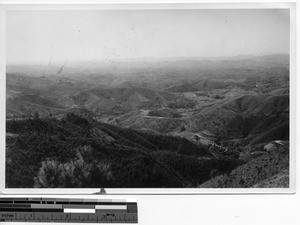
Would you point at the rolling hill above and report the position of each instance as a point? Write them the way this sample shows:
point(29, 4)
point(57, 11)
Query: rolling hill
point(73, 152)
point(136, 123)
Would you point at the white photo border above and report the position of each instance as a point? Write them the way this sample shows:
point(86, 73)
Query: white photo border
point(153, 6)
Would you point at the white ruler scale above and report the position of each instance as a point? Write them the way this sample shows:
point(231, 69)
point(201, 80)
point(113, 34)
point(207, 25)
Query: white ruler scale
point(68, 210)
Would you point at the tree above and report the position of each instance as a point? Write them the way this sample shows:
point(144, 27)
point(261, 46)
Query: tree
point(182, 128)
point(36, 115)
point(49, 175)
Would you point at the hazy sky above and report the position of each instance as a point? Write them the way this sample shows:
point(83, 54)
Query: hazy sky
point(33, 36)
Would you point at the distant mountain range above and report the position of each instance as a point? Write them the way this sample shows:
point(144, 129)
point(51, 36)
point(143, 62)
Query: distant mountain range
point(242, 102)
point(125, 66)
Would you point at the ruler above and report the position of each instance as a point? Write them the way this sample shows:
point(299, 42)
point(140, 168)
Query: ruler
point(68, 210)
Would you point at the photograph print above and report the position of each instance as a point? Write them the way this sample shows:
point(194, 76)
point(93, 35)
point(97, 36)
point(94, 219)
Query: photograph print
point(169, 98)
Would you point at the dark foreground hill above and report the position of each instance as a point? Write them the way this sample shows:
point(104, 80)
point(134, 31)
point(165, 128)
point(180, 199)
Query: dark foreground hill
point(76, 153)
point(271, 170)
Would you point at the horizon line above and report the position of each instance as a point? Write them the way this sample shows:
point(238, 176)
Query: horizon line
point(147, 59)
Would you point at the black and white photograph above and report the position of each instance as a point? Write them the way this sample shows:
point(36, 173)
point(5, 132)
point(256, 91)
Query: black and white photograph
point(148, 98)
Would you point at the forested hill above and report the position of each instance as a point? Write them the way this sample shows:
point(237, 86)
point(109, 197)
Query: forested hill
point(77, 153)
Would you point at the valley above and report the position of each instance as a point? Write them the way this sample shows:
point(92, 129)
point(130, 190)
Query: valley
point(159, 123)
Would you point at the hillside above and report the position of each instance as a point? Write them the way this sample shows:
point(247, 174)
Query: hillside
point(156, 123)
point(126, 98)
point(73, 152)
point(242, 117)
point(27, 94)
point(201, 85)
point(267, 171)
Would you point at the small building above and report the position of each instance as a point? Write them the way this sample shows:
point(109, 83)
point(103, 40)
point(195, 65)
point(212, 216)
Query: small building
point(200, 139)
point(280, 142)
point(270, 147)
point(207, 134)
point(201, 93)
